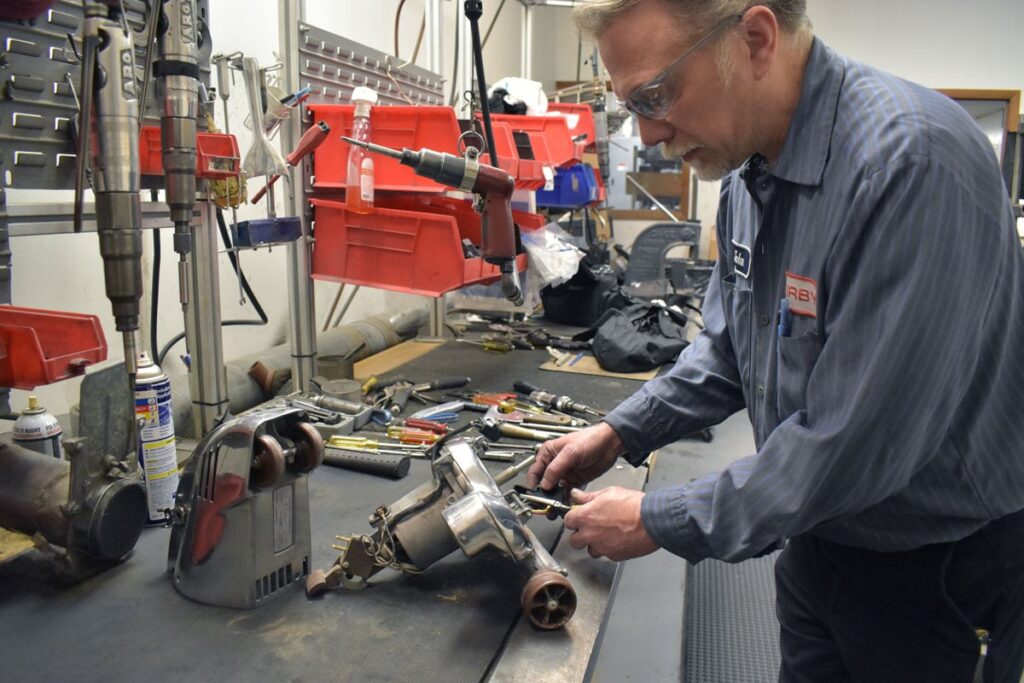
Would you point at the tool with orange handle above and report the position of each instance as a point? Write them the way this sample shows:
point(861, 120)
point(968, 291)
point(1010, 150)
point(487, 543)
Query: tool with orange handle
point(310, 141)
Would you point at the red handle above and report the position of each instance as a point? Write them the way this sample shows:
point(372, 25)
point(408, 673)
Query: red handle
point(311, 139)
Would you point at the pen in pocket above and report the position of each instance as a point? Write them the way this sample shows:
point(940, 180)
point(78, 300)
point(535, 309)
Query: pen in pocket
point(785, 318)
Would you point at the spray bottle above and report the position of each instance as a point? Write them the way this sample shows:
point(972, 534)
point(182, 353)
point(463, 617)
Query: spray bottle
point(359, 180)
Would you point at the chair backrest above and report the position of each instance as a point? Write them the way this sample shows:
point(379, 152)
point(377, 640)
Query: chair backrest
point(647, 258)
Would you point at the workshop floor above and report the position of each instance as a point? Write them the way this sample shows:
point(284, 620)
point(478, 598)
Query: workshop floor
point(644, 636)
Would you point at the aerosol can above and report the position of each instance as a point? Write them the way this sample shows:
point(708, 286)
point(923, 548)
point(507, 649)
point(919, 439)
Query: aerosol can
point(38, 430)
point(157, 451)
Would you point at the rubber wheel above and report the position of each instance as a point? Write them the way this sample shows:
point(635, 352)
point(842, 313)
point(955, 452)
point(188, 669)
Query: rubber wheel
point(548, 599)
point(309, 447)
point(267, 461)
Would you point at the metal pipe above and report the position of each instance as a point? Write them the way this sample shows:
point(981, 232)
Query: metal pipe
point(355, 341)
point(32, 491)
point(511, 473)
point(435, 35)
point(301, 311)
point(203, 326)
point(526, 47)
point(675, 219)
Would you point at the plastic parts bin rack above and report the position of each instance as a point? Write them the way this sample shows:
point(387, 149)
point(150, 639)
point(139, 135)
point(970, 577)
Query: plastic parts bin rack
point(39, 346)
point(414, 251)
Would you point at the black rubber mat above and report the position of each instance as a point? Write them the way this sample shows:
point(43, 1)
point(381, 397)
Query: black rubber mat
point(732, 635)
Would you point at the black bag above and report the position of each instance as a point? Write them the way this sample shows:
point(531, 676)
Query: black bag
point(582, 299)
point(637, 338)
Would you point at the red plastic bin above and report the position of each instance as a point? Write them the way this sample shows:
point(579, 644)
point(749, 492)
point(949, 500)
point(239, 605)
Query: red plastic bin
point(582, 115)
point(38, 346)
point(217, 154)
point(417, 252)
point(554, 130)
point(396, 127)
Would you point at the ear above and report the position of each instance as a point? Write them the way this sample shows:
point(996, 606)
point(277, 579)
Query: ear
point(761, 33)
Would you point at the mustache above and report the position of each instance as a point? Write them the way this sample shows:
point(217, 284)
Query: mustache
point(676, 150)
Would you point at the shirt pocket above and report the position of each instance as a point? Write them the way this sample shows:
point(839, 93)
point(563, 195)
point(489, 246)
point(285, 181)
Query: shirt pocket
point(736, 305)
point(797, 356)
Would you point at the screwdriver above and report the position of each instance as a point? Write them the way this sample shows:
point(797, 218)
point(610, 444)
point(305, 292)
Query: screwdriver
point(492, 345)
point(560, 403)
point(411, 436)
point(362, 443)
point(426, 425)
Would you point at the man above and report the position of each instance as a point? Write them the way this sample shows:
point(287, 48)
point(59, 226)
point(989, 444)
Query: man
point(868, 310)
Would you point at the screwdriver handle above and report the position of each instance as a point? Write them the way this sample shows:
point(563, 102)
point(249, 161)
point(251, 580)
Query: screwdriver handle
point(309, 141)
point(444, 383)
point(524, 387)
point(392, 466)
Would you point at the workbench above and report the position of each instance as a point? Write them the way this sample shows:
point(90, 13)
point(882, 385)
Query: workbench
point(459, 621)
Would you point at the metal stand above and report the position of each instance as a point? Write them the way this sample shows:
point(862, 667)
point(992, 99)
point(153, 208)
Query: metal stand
point(200, 300)
point(301, 310)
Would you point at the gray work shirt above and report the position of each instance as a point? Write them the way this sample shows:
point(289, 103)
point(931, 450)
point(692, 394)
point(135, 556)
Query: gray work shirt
point(888, 415)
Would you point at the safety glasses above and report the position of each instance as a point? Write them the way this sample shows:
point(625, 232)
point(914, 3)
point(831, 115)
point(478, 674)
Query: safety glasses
point(654, 99)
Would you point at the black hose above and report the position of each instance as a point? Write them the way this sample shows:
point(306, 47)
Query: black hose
point(226, 239)
point(154, 301)
point(474, 9)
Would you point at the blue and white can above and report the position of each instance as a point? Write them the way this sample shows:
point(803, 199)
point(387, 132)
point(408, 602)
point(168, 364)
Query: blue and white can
point(158, 456)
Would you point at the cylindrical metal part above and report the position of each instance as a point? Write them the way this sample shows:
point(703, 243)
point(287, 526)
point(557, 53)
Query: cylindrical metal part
point(38, 430)
point(203, 328)
point(119, 221)
point(425, 535)
point(177, 72)
point(392, 466)
point(157, 452)
point(116, 176)
point(356, 341)
point(32, 490)
point(34, 500)
point(511, 473)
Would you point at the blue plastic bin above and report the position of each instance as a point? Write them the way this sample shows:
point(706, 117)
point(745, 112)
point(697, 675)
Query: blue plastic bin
point(575, 187)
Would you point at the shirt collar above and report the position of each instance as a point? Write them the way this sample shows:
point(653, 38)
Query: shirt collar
point(807, 145)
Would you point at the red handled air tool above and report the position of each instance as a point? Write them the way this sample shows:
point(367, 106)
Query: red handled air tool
point(492, 185)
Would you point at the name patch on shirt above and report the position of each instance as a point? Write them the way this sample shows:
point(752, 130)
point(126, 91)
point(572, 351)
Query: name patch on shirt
point(802, 293)
point(741, 259)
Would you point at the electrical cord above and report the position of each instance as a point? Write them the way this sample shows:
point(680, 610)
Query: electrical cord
point(263, 320)
point(154, 300)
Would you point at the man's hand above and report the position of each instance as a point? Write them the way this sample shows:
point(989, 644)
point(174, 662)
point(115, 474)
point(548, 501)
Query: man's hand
point(575, 458)
point(607, 523)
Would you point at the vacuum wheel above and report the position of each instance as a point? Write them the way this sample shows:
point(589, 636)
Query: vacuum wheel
point(548, 599)
point(309, 447)
point(267, 460)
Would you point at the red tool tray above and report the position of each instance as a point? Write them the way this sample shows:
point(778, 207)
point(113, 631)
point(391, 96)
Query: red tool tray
point(217, 155)
point(39, 346)
point(396, 127)
point(583, 116)
point(555, 132)
point(528, 173)
point(415, 251)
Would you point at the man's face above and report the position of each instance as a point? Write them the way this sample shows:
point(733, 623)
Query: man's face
point(710, 123)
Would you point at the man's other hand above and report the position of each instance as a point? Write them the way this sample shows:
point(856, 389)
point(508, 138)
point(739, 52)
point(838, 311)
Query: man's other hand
point(575, 458)
point(607, 523)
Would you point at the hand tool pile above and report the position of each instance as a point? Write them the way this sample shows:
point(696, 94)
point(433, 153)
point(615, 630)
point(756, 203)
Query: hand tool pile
point(390, 438)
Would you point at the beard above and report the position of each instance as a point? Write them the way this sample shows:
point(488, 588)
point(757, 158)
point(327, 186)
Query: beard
point(710, 165)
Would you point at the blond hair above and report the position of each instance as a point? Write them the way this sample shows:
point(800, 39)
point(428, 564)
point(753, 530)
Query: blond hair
point(594, 16)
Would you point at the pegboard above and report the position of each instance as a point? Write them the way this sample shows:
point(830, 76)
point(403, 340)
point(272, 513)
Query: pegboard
point(38, 105)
